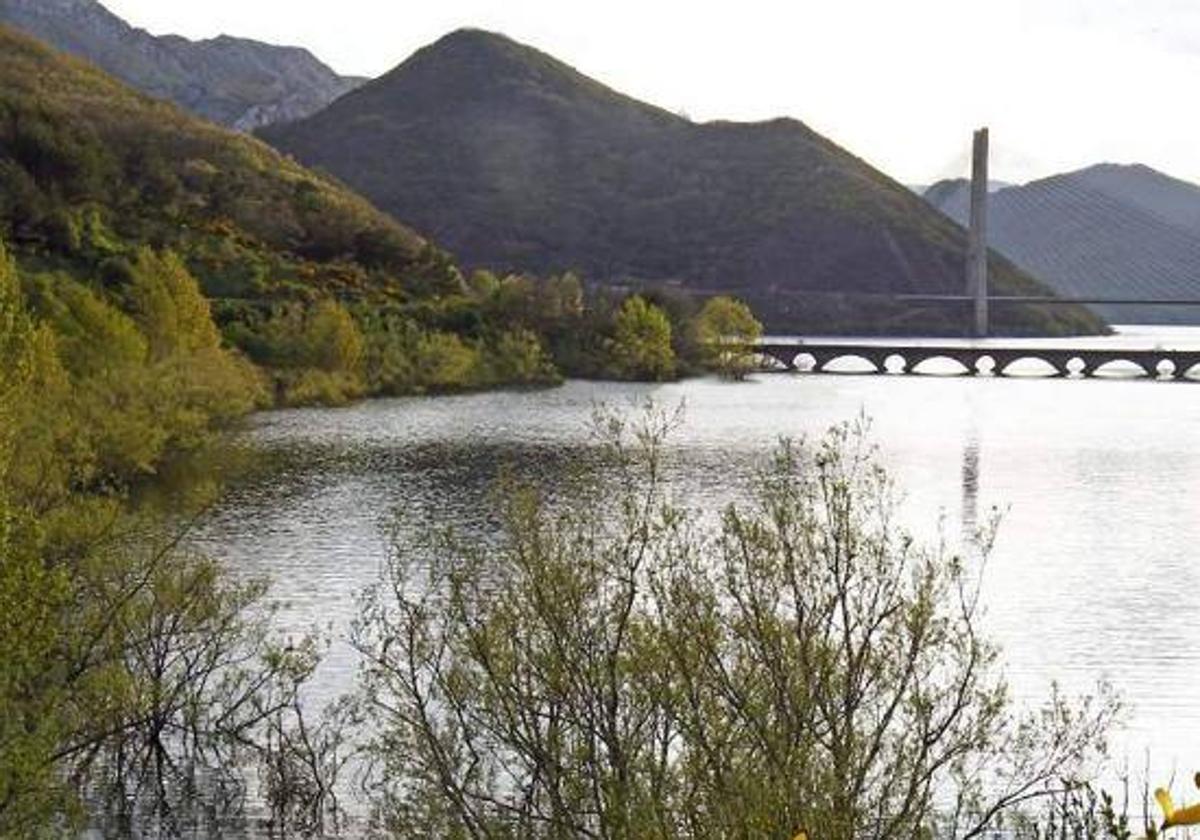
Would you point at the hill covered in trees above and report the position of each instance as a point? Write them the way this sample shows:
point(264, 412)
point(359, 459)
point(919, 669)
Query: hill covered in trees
point(328, 296)
point(1107, 231)
point(234, 81)
point(515, 161)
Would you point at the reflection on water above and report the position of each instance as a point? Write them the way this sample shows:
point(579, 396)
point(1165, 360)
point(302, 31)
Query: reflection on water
point(970, 483)
point(1094, 573)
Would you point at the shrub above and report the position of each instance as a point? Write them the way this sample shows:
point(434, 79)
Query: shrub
point(727, 327)
point(518, 358)
point(641, 347)
point(610, 668)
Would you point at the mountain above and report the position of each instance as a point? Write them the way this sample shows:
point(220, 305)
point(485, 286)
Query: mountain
point(515, 161)
point(237, 82)
point(1170, 199)
point(1107, 231)
point(91, 169)
point(129, 218)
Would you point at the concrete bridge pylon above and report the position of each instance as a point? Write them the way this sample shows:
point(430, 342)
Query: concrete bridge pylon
point(977, 244)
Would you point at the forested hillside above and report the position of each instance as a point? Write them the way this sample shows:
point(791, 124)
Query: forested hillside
point(101, 186)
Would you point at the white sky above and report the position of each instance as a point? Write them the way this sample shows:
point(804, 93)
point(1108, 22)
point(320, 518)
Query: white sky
point(1061, 83)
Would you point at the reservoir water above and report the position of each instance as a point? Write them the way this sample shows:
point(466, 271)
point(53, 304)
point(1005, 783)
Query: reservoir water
point(1095, 573)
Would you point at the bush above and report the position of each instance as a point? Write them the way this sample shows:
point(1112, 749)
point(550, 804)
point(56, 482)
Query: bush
point(518, 358)
point(128, 669)
point(614, 669)
point(727, 327)
point(309, 386)
point(641, 347)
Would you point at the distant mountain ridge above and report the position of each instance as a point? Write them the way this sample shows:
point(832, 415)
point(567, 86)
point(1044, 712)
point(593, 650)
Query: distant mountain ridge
point(237, 82)
point(1107, 231)
point(516, 161)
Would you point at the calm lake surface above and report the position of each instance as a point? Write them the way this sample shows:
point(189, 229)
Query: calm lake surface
point(1096, 572)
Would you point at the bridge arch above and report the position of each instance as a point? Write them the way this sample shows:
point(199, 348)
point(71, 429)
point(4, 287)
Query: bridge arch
point(876, 361)
point(1048, 366)
point(916, 360)
point(1104, 368)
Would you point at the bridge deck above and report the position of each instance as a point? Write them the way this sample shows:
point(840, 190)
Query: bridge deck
point(904, 356)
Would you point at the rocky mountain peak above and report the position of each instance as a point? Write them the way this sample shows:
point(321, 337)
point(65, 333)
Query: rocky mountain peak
point(238, 82)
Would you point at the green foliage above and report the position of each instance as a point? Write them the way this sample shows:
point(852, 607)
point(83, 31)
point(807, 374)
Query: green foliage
point(127, 668)
point(315, 354)
point(96, 338)
point(641, 345)
point(444, 362)
point(332, 339)
point(313, 386)
point(1080, 811)
point(518, 357)
point(169, 309)
point(137, 227)
point(16, 329)
point(405, 358)
point(110, 396)
point(727, 327)
point(620, 669)
point(35, 714)
point(31, 596)
point(91, 170)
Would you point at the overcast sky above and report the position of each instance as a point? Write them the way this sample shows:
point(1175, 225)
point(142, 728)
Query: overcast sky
point(1061, 83)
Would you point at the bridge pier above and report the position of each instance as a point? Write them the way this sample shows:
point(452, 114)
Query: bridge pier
point(1187, 361)
point(977, 248)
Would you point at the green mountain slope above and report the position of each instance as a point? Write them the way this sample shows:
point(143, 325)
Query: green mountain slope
point(105, 194)
point(97, 179)
point(514, 160)
point(234, 81)
point(89, 167)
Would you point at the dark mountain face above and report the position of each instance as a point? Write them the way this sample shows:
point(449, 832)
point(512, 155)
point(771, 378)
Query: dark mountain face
point(515, 161)
point(1170, 199)
point(236, 82)
point(1107, 231)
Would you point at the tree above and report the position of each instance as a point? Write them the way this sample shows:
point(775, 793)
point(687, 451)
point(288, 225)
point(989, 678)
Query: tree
point(169, 307)
point(334, 341)
point(15, 331)
point(518, 358)
point(728, 328)
point(32, 714)
point(612, 669)
point(444, 362)
point(126, 665)
point(641, 347)
point(404, 358)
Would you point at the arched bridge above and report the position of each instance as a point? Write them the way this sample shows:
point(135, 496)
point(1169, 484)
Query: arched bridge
point(997, 359)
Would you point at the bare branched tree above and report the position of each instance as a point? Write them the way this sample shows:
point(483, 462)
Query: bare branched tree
point(618, 669)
